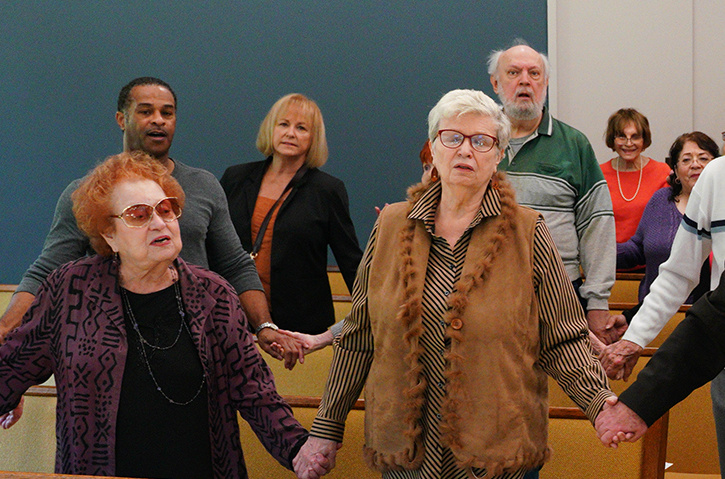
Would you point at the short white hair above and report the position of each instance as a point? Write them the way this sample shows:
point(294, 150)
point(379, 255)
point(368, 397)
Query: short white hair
point(495, 57)
point(460, 102)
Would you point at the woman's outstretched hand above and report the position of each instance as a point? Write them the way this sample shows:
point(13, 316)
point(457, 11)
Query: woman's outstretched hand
point(312, 342)
point(8, 419)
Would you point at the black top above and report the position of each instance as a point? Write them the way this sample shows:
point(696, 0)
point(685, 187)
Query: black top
point(155, 438)
point(314, 215)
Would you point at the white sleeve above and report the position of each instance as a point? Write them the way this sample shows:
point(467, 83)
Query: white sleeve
point(679, 275)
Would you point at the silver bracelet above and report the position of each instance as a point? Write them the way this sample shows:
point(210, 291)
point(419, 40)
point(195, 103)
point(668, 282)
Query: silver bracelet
point(262, 326)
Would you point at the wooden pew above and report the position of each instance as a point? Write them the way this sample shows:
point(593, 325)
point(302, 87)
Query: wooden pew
point(692, 443)
point(30, 445)
point(626, 288)
point(577, 451)
point(306, 379)
point(6, 292)
point(683, 475)
point(579, 454)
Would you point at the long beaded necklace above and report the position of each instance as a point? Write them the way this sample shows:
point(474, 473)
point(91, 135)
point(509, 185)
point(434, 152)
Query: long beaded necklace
point(639, 183)
point(144, 342)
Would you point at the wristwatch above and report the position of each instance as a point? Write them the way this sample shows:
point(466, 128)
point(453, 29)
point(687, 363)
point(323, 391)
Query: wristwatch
point(262, 326)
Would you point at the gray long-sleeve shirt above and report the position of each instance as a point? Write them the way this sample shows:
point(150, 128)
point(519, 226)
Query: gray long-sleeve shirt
point(207, 234)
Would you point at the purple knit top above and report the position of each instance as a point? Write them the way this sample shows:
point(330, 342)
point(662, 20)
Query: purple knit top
point(651, 244)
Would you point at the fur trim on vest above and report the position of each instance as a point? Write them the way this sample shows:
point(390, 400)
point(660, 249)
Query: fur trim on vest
point(398, 283)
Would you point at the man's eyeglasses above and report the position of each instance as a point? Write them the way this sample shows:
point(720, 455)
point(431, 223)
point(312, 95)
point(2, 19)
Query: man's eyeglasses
point(140, 215)
point(480, 142)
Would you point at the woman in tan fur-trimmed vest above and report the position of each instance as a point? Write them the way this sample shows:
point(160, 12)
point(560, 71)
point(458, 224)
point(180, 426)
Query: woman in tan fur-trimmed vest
point(461, 307)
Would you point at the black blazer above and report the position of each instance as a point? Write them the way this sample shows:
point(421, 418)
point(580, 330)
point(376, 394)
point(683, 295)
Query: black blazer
point(315, 214)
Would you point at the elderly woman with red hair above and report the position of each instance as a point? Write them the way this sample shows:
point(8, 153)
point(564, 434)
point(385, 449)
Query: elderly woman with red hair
point(152, 356)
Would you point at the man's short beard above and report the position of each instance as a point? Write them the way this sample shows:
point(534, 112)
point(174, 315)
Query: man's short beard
point(516, 112)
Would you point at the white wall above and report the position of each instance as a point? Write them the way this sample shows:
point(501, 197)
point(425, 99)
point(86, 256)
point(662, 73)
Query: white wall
point(663, 58)
point(709, 76)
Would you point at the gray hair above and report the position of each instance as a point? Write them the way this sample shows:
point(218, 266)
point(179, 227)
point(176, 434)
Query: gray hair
point(460, 102)
point(495, 56)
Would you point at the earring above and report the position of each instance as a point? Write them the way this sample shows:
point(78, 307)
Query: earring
point(116, 257)
point(434, 175)
point(677, 180)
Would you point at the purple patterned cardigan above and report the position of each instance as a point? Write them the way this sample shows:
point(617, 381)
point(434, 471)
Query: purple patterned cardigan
point(75, 330)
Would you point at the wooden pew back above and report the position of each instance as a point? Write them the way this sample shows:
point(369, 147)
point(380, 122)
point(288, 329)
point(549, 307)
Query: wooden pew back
point(29, 446)
point(692, 443)
point(692, 440)
point(6, 292)
point(626, 288)
point(577, 451)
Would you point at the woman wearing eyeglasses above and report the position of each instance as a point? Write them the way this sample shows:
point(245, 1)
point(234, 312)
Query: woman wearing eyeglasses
point(632, 178)
point(152, 356)
point(652, 242)
point(461, 307)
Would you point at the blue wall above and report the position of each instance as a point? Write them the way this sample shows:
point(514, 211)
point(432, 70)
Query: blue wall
point(374, 67)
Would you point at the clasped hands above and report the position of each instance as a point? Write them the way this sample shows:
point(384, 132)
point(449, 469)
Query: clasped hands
point(608, 328)
point(292, 346)
point(282, 346)
point(315, 458)
point(618, 423)
point(618, 357)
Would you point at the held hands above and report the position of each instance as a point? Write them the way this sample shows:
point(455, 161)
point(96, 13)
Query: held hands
point(618, 359)
point(282, 346)
point(292, 346)
point(607, 327)
point(7, 420)
point(315, 458)
point(312, 342)
point(597, 346)
point(617, 423)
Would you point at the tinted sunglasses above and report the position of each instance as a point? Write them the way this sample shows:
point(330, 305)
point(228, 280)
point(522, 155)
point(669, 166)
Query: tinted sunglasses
point(141, 214)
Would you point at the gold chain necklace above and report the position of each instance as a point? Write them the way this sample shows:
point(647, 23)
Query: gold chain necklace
point(639, 183)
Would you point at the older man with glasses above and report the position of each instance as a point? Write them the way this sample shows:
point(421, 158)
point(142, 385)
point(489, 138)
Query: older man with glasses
point(554, 171)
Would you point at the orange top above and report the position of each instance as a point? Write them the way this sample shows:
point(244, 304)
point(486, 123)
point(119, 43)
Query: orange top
point(628, 213)
point(264, 258)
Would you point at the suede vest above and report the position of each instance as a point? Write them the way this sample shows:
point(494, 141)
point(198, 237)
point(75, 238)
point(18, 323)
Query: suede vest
point(495, 411)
